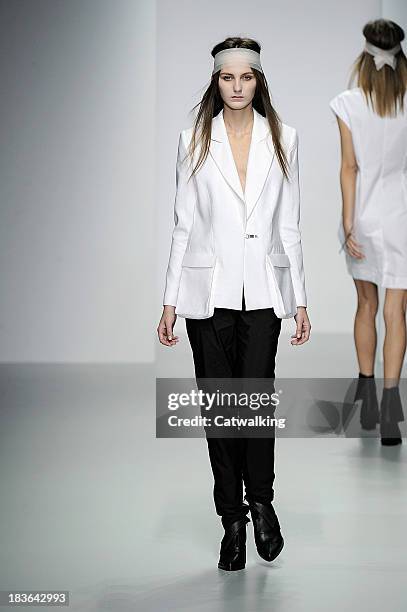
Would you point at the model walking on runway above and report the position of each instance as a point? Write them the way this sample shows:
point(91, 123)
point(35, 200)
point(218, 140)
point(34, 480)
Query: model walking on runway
point(236, 269)
point(373, 130)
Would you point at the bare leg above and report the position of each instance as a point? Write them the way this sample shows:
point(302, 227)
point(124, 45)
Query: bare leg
point(365, 325)
point(394, 348)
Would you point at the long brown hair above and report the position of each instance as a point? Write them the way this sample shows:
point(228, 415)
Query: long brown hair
point(384, 88)
point(211, 104)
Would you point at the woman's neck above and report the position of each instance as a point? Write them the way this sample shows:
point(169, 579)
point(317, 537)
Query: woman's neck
point(238, 121)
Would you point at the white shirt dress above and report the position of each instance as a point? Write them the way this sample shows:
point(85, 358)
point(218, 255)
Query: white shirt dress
point(380, 214)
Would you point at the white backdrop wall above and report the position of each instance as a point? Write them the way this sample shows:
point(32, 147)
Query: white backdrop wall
point(77, 188)
point(397, 11)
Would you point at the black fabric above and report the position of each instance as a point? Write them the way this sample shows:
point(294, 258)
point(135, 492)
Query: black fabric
point(237, 344)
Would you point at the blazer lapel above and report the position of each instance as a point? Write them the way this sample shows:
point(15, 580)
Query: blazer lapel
point(258, 164)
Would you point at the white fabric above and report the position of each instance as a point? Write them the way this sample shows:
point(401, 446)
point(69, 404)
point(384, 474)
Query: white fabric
point(236, 54)
point(211, 258)
point(383, 56)
point(380, 220)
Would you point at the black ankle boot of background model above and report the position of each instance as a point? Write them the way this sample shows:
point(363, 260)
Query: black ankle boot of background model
point(369, 410)
point(391, 413)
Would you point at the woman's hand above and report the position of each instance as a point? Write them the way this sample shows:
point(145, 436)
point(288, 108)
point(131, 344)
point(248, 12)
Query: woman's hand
point(353, 247)
point(166, 326)
point(303, 326)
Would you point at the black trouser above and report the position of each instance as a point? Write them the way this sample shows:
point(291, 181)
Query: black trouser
point(237, 344)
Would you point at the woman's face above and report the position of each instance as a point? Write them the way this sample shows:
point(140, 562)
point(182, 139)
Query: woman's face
point(237, 85)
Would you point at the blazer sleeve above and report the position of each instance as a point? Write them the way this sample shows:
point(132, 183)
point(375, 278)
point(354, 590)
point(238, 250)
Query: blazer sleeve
point(289, 224)
point(184, 207)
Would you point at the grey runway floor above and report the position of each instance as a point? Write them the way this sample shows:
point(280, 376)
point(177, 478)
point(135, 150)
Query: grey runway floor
point(93, 503)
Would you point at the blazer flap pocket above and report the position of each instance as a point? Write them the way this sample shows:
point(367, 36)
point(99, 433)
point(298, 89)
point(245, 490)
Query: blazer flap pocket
point(279, 259)
point(199, 260)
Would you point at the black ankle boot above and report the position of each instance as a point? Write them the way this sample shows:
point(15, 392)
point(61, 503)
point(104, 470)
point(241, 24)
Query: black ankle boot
point(369, 410)
point(233, 546)
point(391, 413)
point(267, 533)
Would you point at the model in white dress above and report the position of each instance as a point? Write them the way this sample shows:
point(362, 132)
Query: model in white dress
point(372, 121)
point(380, 213)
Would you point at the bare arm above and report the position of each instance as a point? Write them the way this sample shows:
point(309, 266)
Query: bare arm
point(348, 172)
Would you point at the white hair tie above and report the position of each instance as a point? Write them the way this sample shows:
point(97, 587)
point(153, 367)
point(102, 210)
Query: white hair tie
point(236, 54)
point(383, 56)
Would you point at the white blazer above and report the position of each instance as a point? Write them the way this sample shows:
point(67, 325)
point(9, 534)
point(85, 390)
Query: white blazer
point(225, 239)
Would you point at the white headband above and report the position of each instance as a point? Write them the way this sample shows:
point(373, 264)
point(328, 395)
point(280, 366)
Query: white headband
point(238, 54)
point(383, 56)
